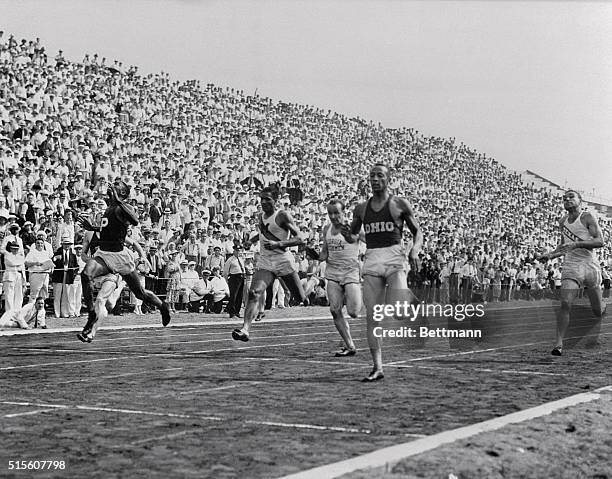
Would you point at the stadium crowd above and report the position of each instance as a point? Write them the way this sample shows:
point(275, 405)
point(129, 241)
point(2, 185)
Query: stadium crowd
point(196, 156)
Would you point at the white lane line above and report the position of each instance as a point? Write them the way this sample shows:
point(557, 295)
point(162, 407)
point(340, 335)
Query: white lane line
point(144, 356)
point(186, 416)
point(29, 413)
point(17, 332)
point(166, 333)
point(478, 351)
point(148, 344)
point(105, 409)
point(310, 426)
point(225, 339)
point(482, 370)
point(393, 454)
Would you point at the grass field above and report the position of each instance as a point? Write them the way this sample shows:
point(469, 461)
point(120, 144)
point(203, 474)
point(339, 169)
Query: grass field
point(187, 401)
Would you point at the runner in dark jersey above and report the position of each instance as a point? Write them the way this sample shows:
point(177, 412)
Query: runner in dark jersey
point(112, 257)
point(384, 276)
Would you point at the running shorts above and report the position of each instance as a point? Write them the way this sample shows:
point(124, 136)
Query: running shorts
point(586, 274)
point(384, 262)
point(120, 262)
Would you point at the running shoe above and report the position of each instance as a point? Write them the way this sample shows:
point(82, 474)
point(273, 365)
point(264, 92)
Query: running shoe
point(345, 352)
point(373, 376)
point(85, 337)
point(239, 335)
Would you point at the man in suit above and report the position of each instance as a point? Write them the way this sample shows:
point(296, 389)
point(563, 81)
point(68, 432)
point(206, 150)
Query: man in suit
point(30, 316)
point(234, 272)
point(66, 267)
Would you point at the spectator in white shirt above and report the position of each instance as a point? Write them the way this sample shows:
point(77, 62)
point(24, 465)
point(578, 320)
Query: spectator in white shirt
point(13, 279)
point(39, 263)
point(30, 316)
point(220, 290)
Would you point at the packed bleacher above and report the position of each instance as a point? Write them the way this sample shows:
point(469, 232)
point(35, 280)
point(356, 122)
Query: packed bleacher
point(196, 156)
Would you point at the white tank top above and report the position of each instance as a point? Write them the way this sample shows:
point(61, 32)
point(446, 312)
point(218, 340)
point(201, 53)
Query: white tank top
point(341, 255)
point(573, 232)
point(270, 231)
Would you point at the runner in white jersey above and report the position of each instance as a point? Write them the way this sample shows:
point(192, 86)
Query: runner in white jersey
point(580, 235)
point(341, 273)
point(277, 232)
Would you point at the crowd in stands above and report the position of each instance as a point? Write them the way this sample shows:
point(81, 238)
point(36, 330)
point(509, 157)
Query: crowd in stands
point(196, 156)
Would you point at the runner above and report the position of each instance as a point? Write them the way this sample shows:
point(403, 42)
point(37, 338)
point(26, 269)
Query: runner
point(277, 232)
point(109, 286)
point(340, 251)
point(580, 235)
point(384, 276)
point(113, 257)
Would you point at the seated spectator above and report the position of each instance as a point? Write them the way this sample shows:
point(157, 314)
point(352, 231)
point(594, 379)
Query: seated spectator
point(219, 290)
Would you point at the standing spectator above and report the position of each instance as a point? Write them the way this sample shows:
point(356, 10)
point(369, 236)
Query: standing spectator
point(216, 260)
point(605, 280)
point(76, 298)
point(66, 267)
point(468, 275)
point(12, 237)
point(172, 274)
point(13, 279)
point(234, 272)
point(39, 264)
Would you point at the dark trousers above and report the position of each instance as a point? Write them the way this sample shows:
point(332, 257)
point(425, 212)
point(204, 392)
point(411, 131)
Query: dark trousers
point(236, 287)
point(453, 288)
point(269, 296)
point(211, 306)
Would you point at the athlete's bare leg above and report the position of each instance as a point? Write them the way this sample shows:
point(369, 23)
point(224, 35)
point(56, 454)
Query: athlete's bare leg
point(92, 270)
point(398, 291)
point(354, 300)
point(569, 292)
point(108, 289)
point(373, 294)
point(133, 281)
point(261, 280)
point(599, 310)
point(336, 294)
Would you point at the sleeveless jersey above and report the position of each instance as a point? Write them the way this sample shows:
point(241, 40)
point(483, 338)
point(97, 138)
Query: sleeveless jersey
point(270, 231)
point(114, 230)
point(573, 232)
point(341, 255)
point(380, 229)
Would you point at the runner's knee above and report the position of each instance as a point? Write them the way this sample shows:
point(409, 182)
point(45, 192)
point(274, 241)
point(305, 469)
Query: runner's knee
point(255, 293)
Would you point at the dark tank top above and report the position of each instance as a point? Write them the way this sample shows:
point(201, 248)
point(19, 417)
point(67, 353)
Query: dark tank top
point(114, 230)
point(380, 229)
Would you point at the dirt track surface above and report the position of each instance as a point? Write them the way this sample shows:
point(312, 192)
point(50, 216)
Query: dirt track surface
point(187, 401)
point(571, 443)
